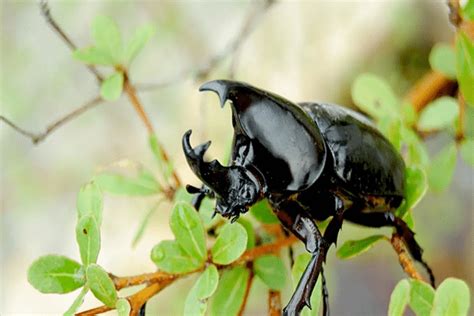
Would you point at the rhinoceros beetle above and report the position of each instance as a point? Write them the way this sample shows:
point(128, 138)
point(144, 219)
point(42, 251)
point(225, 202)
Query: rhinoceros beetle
point(311, 161)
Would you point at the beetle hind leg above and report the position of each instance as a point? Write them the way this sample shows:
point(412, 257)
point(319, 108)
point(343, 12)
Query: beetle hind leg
point(402, 230)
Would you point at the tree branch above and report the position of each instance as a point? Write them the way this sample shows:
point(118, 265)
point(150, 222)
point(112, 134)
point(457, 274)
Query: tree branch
point(39, 137)
point(404, 258)
point(247, 290)
point(274, 303)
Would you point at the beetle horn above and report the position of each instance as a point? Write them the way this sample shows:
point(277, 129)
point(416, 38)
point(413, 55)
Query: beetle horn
point(213, 174)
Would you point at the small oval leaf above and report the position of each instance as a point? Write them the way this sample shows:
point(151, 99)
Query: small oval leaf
point(77, 302)
point(263, 212)
point(56, 274)
point(111, 88)
point(451, 298)
point(142, 184)
point(205, 286)
point(123, 307)
point(442, 167)
point(465, 66)
point(250, 232)
point(90, 202)
point(230, 244)
point(139, 39)
point(93, 56)
point(170, 257)
point(416, 185)
point(352, 248)
point(399, 298)
point(439, 114)
point(101, 285)
point(107, 37)
point(271, 270)
point(189, 230)
point(421, 297)
point(88, 239)
point(230, 292)
point(443, 59)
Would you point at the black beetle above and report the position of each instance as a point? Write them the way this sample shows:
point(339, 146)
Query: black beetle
point(311, 161)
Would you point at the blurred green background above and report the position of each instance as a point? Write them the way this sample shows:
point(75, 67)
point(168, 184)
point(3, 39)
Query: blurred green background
point(303, 50)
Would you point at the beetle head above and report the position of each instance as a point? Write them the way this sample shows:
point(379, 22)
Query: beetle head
point(236, 188)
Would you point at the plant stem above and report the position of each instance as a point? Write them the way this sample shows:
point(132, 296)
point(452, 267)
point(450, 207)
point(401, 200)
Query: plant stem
point(274, 303)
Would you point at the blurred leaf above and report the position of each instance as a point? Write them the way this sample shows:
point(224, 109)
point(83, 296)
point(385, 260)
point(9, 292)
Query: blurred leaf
point(443, 59)
point(399, 298)
point(205, 286)
point(182, 195)
point(250, 232)
point(230, 244)
point(417, 153)
point(56, 274)
point(408, 219)
point(143, 223)
point(90, 202)
point(452, 298)
point(467, 151)
point(391, 128)
point(416, 185)
point(93, 56)
point(297, 270)
point(111, 88)
point(442, 168)
point(101, 285)
point(206, 212)
point(142, 184)
point(409, 115)
point(166, 168)
point(465, 66)
point(421, 297)
point(139, 39)
point(123, 307)
point(230, 292)
point(170, 257)
point(374, 96)
point(271, 270)
point(77, 302)
point(263, 212)
point(107, 37)
point(352, 248)
point(88, 239)
point(439, 114)
point(468, 10)
point(188, 230)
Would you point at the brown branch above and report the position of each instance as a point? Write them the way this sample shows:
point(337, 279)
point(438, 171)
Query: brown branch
point(404, 258)
point(462, 114)
point(39, 137)
point(247, 290)
point(159, 280)
point(248, 26)
point(46, 11)
point(274, 303)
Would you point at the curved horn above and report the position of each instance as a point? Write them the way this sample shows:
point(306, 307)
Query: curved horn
point(213, 174)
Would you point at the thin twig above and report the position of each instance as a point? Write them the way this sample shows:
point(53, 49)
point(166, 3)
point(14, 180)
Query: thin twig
point(247, 290)
point(46, 11)
point(404, 258)
point(248, 26)
point(274, 303)
point(39, 137)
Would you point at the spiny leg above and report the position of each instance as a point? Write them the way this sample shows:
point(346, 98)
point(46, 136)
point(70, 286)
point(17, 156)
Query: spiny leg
point(325, 293)
point(402, 230)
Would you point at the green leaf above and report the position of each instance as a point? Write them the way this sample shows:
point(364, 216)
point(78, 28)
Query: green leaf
point(417, 153)
point(56, 274)
point(139, 39)
point(170, 257)
point(107, 37)
point(468, 10)
point(250, 232)
point(101, 285)
point(230, 292)
point(206, 213)
point(439, 114)
point(301, 262)
point(467, 151)
point(230, 244)
point(374, 96)
point(409, 115)
point(391, 128)
point(88, 239)
point(263, 212)
point(352, 248)
point(399, 298)
point(77, 302)
point(166, 167)
point(271, 270)
point(111, 88)
point(421, 297)
point(205, 286)
point(442, 168)
point(188, 230)
point(93, 56)
point(90, 202)
point(182, 195)
point(443, 59)
point(143, 223)
point(416, 185)
point(452, 298)
point(123, 307)
point(142, 184)
point(465, 66)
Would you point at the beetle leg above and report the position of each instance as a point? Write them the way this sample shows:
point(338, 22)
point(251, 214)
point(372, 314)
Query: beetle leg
point(402, 229)
point(325, 293)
